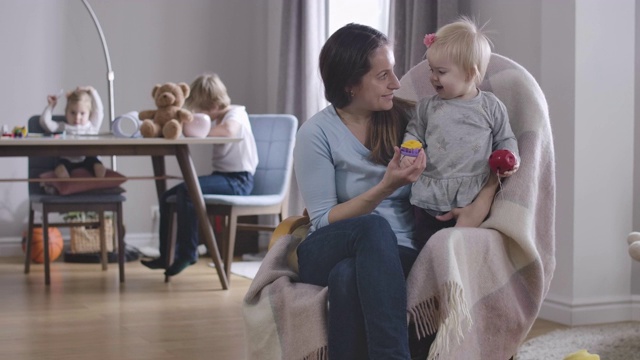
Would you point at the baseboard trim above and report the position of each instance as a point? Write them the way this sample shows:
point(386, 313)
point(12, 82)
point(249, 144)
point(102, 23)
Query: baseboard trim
point(635, 307)
point(589, 312)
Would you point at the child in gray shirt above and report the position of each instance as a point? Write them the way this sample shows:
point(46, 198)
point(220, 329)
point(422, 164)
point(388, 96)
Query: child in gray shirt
point(460, 126)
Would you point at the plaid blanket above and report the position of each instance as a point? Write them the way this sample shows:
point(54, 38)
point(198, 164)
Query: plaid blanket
point(479, 288)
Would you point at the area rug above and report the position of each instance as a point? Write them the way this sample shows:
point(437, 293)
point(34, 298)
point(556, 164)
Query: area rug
point(620, 341)
point(247, 269)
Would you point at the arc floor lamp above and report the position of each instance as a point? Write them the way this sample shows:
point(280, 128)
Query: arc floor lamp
point(110, 73)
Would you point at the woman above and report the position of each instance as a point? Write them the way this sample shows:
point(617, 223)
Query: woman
point(348, 169)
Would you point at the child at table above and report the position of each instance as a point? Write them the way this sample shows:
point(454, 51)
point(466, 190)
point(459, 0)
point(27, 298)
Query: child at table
point(83, 115)
point(233, 167)
point(460, 126)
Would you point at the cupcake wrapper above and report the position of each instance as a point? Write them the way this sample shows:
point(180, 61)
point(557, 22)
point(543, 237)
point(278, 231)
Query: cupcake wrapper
point(409, 152)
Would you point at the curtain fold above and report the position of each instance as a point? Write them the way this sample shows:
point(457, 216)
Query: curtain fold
point(300, 89)
point(410, 20)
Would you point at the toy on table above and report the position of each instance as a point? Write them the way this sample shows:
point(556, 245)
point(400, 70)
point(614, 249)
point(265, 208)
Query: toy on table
point(6, 134)
point(19, 131)
point(502, 161)
point(169, 117)
point(199, 127)
point(410, 148)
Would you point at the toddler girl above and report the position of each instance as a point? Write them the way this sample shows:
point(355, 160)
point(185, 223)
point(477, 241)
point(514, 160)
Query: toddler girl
point(83, 114)
point(460, 126)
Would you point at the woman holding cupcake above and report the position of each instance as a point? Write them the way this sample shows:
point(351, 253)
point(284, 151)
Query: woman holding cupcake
point(347, 163)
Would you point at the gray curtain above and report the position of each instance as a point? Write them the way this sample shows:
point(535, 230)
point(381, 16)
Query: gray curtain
point(410, 20)
point(300, 89)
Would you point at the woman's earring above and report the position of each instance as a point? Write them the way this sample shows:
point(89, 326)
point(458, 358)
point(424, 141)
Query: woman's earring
point(351, 93)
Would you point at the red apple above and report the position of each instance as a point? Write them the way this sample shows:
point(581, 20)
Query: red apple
point(501, 161)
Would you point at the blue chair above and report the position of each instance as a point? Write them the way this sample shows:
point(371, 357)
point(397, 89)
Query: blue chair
point(45, 204)
point(275, 137)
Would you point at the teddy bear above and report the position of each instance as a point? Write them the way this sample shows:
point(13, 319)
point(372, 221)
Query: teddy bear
point(633, 239)
point(168, 119)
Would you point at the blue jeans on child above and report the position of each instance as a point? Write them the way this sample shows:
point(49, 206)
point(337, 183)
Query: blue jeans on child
point(365, 269)
point(237, 183)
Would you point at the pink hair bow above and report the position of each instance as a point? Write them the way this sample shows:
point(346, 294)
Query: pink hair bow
point(429, 39)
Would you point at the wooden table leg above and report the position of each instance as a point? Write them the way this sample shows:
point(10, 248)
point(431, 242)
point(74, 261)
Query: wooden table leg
point(158, 171)
point(193, 186)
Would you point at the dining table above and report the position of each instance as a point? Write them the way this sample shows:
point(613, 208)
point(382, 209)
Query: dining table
point(109, 145)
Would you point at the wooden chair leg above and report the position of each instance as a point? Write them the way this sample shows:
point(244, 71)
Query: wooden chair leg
point(121, 246)
point(170, 246)
point(45, 237)
point(230, 242)
point(27, 250)
point(103, 241)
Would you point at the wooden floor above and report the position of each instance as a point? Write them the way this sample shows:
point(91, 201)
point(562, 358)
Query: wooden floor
point(87, 314)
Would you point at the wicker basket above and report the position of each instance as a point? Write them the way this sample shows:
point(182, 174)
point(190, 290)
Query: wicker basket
point(87, 239)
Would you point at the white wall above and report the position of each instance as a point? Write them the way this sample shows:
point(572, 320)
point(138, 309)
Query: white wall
point(635, 278)
point(604, 150)
point(558, 79)
point(582, 53)
point(48, 45)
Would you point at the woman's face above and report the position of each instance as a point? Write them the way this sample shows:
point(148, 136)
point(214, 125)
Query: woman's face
point(375, 91)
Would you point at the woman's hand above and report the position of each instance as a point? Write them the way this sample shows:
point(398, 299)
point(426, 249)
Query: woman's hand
point(394, 177)
point(398, 174)
point(474, 214)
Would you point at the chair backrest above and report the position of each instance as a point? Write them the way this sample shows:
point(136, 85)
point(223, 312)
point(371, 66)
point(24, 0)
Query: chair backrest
point(275, 136)
point(40, 164)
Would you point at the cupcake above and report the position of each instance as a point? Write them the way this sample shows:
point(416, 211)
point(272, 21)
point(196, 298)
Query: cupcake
point(410, 148)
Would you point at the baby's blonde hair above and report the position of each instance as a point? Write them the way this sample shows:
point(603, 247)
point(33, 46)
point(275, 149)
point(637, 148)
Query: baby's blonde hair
point(466, 45)
point(208, 92)
point(77, 97)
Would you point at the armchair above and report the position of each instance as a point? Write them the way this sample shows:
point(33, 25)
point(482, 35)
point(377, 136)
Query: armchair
point(479, 289)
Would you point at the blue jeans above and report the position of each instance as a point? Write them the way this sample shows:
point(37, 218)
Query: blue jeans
point(237, 183)
point(365, 269)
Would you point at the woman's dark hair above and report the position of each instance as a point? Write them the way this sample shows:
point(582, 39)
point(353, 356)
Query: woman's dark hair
point(344, 59)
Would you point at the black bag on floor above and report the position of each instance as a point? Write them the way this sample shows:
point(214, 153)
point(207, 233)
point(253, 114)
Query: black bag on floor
point(130, 254)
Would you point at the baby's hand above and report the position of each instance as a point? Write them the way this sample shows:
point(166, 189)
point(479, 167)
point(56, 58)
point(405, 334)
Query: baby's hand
point(503, 162)
point(512, 171)
point(52, 100)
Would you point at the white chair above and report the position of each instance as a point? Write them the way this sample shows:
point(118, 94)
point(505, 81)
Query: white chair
point(275, 138)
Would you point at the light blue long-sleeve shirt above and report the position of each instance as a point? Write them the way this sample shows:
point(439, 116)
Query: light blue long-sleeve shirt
point(332, 167)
